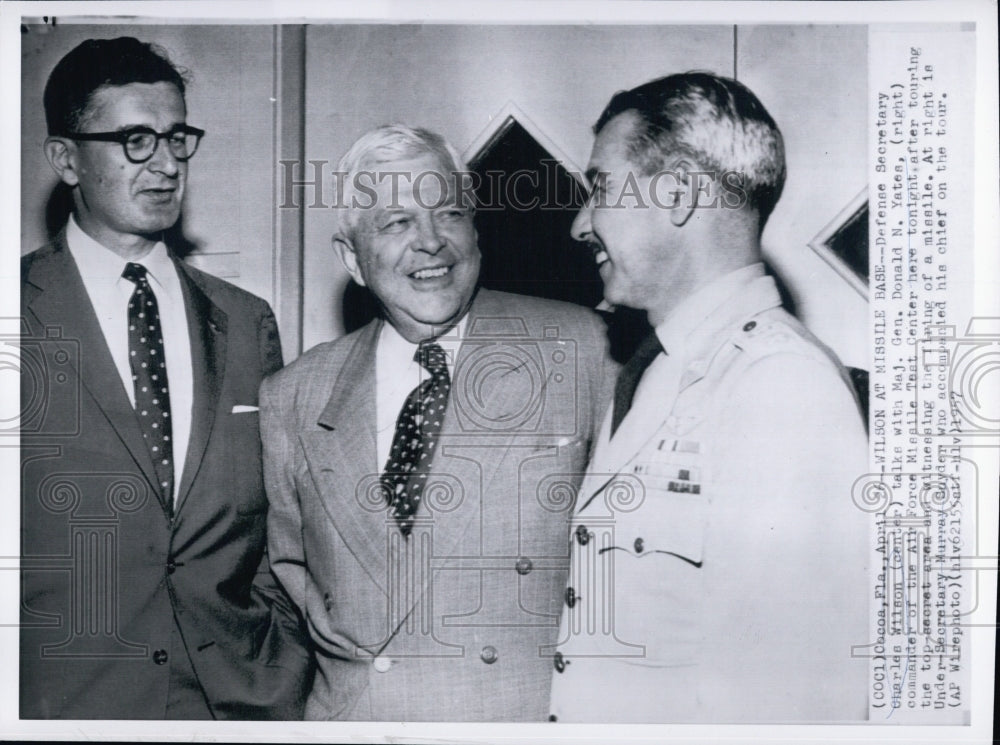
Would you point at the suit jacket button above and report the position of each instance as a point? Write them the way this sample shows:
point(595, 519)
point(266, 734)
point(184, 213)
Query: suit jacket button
point(523, 565)
point(638, 545)
point(488, 655)
point(560, 662)
point(382, 664)
point(160, 657)
point(171, 567)
point(571, 597)
point(327, 602)
point(582, 536)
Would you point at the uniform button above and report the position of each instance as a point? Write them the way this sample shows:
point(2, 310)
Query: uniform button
point(327, 602)
point(160, 657)
point(171, 567)
point(638, 545)
point(523, 565)
point(382, 664)
point(560, 662)
point(582, 536)
point(571, 597)
point(553, 718)
point(488, 655)
point(750, 326)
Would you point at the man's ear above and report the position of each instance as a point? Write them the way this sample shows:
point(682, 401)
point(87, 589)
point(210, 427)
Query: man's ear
point(687, 180)
point(61, 154)
point(349, 258)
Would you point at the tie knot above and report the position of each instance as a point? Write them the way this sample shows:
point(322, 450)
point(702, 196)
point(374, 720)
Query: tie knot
point(432, 358)
point(135, 273)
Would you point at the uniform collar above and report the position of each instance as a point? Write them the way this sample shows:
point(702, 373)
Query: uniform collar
point(689, 317)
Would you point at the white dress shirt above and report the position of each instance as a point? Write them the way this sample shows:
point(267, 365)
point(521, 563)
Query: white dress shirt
point(109, 293)
point(397, 374)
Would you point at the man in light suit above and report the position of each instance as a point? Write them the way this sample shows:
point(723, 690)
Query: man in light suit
point(146, 592)
point(421, 469)
point(718, 563)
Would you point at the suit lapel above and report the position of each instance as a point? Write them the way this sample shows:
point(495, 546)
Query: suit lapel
point(62, 303)
point(342, 459)
point(207, 329)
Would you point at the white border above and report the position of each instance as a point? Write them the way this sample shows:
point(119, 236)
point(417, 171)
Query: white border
point(986, 294)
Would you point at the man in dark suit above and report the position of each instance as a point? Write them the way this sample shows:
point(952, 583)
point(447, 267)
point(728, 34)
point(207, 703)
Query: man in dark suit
point(421, 470)
point(146, 591)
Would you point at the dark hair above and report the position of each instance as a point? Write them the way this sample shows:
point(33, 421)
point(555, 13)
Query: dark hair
point(716, 121)
point(96, 63)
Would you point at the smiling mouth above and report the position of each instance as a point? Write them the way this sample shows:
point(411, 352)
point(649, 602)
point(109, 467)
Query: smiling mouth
point(600, 255)
point(434, 273)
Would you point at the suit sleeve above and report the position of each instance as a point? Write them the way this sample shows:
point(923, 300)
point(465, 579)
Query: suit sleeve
point(284, 520)
point(786, 583)
point(283, 612)
point(270, 343)
point(603, 372)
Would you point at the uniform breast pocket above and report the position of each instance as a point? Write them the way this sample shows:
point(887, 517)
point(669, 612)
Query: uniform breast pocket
point(657, 565)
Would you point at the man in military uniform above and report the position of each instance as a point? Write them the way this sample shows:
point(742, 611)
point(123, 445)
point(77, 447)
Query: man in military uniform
point(718, 564)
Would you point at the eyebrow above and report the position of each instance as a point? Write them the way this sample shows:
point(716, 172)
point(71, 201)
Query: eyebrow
point(128, 127)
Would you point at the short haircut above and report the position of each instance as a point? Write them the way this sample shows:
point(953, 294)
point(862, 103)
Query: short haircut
point(94, 64)
point(716, 121)
point(383, 145)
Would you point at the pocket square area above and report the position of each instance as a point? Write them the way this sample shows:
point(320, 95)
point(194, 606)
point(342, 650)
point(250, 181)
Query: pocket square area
point(241, 409)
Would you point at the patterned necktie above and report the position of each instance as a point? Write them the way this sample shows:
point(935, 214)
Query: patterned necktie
point(417, 430)
point(149, 377)
point(628, 378)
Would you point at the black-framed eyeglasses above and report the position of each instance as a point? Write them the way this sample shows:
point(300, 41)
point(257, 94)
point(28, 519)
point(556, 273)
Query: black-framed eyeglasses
point(139, 143)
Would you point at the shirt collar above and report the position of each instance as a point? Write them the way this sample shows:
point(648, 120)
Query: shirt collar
point(702, 304)
point(98, 263)
point(397, 349)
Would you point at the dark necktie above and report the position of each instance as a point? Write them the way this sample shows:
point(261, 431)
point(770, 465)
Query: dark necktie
point(628, 378)
point(417, 430)
point(149, 377)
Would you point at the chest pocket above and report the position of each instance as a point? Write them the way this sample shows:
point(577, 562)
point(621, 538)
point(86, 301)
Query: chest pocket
point(657, 562)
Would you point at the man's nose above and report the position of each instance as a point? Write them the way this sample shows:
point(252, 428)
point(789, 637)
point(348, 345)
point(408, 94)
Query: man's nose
point(581, 229)
point(163, 159)
point(428, 239)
